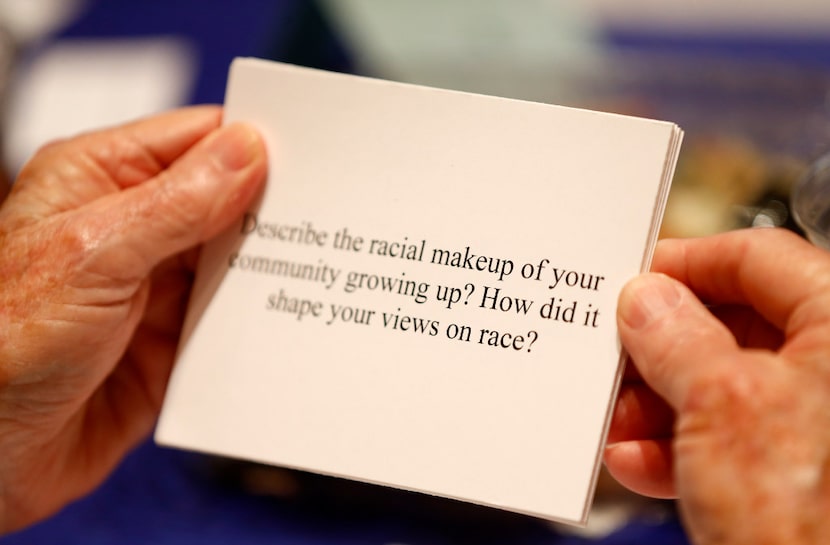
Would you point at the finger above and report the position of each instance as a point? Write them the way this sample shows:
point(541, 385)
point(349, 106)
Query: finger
point(196, 198)
point(66, 174)
point(674, 340)
point(640, 414)
point(157, 142)
point(749, 328)
point(771, 270)
point(645, 467)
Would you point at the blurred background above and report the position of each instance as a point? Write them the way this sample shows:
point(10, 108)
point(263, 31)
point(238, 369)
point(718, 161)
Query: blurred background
point(749, 82)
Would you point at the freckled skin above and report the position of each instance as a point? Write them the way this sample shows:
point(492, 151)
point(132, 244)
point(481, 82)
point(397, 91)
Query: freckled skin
point(729, 406)
point(97, 249)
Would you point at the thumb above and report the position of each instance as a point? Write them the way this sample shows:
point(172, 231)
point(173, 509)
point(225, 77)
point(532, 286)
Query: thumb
point(197, 197)
point(672, 337)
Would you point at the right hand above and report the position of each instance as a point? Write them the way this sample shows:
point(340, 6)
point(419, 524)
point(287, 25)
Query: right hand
point(732, 410)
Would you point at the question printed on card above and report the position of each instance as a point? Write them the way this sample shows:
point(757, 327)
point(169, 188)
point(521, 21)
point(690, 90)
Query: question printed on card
point(414, 304)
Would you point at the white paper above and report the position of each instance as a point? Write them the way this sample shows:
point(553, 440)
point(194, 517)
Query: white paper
point(82, 84)
point(522, 184)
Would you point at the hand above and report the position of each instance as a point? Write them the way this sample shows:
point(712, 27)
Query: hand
point(93, 285)
point(733, 415)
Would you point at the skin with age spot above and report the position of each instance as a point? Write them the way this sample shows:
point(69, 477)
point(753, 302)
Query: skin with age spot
point(728, 407)
point(95, 268)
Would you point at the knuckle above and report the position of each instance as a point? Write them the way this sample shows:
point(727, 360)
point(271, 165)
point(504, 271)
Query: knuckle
point(178, 205)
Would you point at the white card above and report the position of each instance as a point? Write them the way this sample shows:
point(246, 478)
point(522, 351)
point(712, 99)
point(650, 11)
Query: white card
point(425, 296)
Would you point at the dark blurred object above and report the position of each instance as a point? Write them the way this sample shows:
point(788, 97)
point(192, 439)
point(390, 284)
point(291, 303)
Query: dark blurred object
point(309, 39)
point(338, 501)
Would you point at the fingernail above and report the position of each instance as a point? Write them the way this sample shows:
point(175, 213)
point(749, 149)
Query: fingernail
point(235, 146)
point(648, 298)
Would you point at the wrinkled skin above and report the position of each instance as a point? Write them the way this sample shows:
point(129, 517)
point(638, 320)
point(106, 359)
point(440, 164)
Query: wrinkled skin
point(95, 270)
point(729, 406)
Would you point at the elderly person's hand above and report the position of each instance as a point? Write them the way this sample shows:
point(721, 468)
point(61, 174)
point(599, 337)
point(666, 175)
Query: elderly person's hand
point(732, 410)
point(93, 285)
